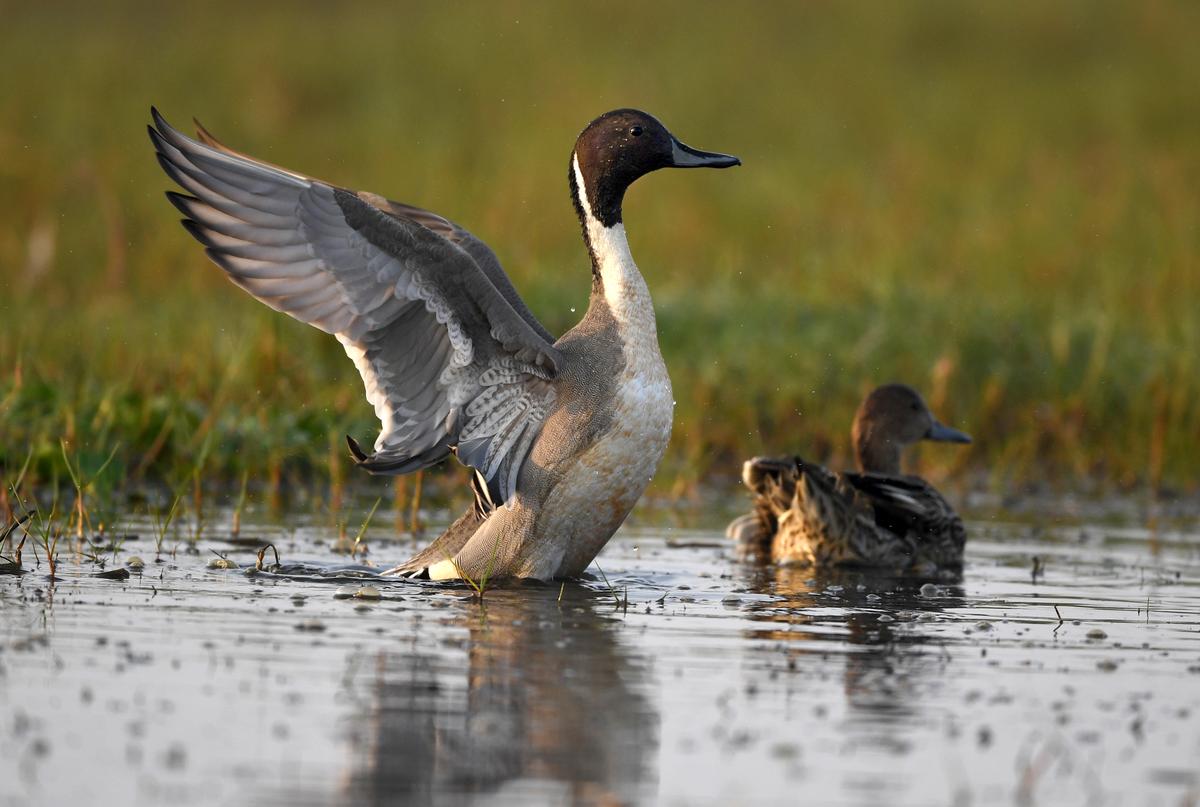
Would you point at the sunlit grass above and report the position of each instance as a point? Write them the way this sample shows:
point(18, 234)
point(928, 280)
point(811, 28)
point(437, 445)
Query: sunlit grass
point(995, 203)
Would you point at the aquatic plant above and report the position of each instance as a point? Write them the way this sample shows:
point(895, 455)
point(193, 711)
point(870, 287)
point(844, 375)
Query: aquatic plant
point(162, 524)
point(612, 591)
point(10, 554)
point(235, 528)
point(82, 484)
point(359, 544)
point(259, 564)
point(479, 586)
point(46, 534)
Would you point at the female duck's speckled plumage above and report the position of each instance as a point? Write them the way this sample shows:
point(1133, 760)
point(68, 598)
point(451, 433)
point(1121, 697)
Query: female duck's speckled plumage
point(805, 514)
point(563, 434)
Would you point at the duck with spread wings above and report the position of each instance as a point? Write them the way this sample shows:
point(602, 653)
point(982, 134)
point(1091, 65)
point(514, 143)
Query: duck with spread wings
point(563, 434)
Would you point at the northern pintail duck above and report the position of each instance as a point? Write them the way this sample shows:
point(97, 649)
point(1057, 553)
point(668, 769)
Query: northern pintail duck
point(805, 514)
point(563, 435)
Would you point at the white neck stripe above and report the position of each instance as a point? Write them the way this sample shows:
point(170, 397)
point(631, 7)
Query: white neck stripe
point(581, 189)
point(625, 289)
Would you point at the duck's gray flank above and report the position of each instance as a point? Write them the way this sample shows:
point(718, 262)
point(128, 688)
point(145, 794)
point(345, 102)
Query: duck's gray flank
point(564, 435)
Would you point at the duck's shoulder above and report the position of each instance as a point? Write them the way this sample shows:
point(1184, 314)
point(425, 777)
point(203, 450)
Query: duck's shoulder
point(904, 502)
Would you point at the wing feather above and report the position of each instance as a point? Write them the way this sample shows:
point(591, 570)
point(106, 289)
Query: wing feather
point(907, 503)
point(451, 358)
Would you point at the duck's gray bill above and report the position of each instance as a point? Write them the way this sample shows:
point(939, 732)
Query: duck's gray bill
point(687, 157)
point(945, 434)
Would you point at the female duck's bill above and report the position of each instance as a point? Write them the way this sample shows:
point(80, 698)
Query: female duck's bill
point(940, 432)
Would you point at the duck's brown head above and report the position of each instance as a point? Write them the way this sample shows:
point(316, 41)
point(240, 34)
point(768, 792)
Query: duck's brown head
point(890, 419)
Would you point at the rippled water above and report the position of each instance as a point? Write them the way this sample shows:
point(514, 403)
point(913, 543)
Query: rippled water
point(686, 678)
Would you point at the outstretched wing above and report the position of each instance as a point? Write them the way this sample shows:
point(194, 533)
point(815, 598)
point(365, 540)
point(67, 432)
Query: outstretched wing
point(450, 356)
point(479, 251)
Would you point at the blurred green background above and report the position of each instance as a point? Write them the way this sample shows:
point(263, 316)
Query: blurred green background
point(996, 202)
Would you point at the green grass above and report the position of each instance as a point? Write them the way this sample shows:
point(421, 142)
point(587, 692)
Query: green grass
point(995, 202)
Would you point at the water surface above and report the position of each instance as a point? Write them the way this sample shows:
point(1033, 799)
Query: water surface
point(677, 675)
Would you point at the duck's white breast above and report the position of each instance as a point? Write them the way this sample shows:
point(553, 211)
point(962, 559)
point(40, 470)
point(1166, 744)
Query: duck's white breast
point(597, 492)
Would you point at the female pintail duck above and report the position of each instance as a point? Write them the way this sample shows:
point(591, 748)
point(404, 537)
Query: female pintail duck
point(805, 514)
point(563, 435)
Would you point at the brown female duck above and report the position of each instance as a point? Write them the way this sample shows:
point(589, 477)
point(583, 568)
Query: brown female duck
point(805, 514)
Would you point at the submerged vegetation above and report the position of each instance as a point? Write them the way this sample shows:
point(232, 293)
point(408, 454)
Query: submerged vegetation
point(997, 204)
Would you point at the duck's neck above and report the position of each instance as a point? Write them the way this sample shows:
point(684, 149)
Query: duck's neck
point(877, 454)
point(616, 281)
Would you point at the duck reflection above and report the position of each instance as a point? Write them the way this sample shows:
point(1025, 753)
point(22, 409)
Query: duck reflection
point(868, 619)
point(549, 710)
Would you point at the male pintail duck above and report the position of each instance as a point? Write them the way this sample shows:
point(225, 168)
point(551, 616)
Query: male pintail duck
point(807, 515)
point(563, 435)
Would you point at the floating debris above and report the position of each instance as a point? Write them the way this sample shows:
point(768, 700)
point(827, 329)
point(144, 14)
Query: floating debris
point(785, 750)
point(262, 554)
point(114, 574)
point(175, 758)
point(1096, 634)
point(311, 626)
point(222, 563)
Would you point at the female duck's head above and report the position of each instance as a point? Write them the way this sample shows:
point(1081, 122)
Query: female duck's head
point(617, 148)
point(891, 418)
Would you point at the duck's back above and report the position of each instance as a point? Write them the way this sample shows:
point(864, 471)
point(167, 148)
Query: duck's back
point(830, 523)
point(908, 505)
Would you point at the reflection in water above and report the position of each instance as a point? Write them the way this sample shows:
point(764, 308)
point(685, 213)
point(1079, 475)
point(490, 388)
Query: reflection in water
point(888, 670)
point(189, 685)
point(549, 705)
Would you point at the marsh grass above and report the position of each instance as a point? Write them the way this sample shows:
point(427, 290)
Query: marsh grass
point(83, 483)
point(994, 202)
point(612, 591)
point(10, 553)
point(46, 533)
point(235, 528)
point(163, 523)
point(360, 544)
point(480, 586)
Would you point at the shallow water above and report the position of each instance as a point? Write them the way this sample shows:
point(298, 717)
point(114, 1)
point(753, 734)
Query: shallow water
point(687, 678)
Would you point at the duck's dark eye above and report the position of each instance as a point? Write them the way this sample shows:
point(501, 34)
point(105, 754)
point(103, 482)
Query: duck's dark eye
point(636, 131)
